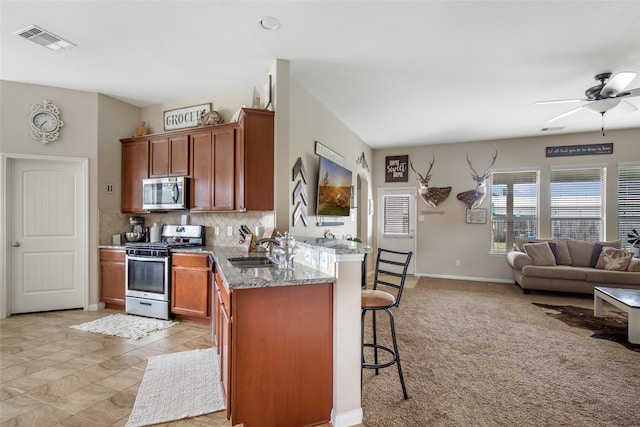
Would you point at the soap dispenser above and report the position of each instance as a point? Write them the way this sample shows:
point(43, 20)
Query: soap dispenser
point(155, 232)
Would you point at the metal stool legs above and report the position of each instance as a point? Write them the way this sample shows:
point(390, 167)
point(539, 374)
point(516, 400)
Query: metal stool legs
point(393, 352)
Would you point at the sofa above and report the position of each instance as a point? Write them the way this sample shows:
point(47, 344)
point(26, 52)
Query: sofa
point(567, 265)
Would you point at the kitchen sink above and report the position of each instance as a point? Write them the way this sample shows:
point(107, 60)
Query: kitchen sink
point(245, 262)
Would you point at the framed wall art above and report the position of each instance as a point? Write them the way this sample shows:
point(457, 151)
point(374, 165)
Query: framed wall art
point(477, 216)
point(396, 168)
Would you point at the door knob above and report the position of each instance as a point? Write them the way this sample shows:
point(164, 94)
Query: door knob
point(15, 244)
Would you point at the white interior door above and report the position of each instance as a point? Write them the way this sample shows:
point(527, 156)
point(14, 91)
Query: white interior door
point(47, 234)
point(397, 221)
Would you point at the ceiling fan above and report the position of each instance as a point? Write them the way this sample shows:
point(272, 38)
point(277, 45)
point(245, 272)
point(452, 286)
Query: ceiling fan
point(602, 97)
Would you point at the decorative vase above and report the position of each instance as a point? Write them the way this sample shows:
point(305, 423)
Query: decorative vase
point(636, 251)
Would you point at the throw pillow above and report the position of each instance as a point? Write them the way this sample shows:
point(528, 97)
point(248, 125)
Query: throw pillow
point(540, 253)
point(595, 255)
point(614, 259)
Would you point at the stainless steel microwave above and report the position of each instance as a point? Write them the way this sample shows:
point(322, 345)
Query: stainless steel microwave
point(163, 194)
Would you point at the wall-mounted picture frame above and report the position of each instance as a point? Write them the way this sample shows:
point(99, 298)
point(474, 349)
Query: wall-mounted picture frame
point(396, 168)
point(477, 216)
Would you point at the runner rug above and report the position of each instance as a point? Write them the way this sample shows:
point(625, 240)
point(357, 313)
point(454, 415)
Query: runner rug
point(176, 386)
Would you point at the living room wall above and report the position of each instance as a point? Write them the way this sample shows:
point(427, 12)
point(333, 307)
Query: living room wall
point(442, 239)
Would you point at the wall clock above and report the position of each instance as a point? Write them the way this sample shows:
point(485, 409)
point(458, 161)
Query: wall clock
point(45, 122)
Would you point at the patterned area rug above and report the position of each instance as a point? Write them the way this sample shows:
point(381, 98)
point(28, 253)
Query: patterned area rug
point(125, 326)
point(176, 386)
point(612, 326)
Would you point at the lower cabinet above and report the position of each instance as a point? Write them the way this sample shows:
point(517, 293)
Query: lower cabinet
point(276, 351)
point(112, 278)
point(191, 287)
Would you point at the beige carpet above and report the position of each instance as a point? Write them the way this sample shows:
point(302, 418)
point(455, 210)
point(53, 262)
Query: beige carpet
point(481, 354)
point(176, 386)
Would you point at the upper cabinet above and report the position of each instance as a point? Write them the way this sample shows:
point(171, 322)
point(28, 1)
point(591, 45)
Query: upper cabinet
point(135, 168)
point(256, 133)
point(169, 156)
point(231, 165)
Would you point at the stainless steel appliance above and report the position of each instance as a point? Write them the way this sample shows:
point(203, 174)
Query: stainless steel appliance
point(148, 270)
point(165, 194)
point(137, 232)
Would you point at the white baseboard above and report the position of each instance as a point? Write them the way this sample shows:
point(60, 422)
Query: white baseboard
point(96, 307)
point(469, 278)
point(346, 419)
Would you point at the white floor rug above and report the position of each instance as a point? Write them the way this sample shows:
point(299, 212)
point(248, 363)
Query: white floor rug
point(176, 386)
point(125, 326)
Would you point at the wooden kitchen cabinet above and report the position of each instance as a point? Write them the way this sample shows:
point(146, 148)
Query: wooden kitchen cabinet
point(135, 168)
point(255, 131)
point(279, 354)
point(112, 278)
point(222, 335)
point(215, 165)
point(169, 156)
point(231, 165)
point(191, 287)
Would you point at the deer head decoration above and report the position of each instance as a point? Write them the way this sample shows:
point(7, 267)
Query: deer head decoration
point(432, 196)
point(474, 198)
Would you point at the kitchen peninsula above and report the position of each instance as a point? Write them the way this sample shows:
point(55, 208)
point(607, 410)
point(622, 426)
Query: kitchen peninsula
point(289, 340)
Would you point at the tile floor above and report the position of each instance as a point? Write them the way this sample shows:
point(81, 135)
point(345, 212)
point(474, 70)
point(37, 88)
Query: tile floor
point(51, 375)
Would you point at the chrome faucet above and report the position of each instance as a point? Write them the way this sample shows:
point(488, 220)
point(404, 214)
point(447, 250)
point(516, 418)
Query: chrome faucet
point(267, 239)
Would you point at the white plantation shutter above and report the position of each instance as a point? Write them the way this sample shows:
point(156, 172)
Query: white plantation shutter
point(396, 214)
point(514, 208)
point(577, 203)
point(628, 200)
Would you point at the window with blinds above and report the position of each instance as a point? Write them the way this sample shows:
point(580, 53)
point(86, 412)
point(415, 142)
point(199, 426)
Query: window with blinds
point(577, 203)
point(396, 214)
point(628, 201)
point(514, 208)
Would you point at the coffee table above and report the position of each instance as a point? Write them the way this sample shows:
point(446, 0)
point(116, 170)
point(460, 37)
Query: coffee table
point(625, 299)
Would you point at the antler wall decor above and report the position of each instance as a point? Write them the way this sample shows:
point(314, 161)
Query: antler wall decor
point(432, 196)
point(474, 198)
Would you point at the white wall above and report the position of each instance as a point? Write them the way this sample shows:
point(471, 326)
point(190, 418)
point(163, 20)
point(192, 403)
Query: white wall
point(442, 239)
point(310, 121)
point(91, 122)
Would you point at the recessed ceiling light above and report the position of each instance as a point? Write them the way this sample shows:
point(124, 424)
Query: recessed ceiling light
point(268, 23)
point(44, 38)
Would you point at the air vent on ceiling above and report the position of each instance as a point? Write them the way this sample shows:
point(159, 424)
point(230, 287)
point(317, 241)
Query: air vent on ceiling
point(44, 38)
point(552, 128)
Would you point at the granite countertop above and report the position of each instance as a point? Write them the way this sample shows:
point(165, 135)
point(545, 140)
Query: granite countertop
point(112, 247)
point(258, 277)
point(335, 246)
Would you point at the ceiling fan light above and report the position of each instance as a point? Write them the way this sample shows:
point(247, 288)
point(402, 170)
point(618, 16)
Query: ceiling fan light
point(603, 105)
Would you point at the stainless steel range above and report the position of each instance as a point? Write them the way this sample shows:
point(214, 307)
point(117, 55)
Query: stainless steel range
point(148, 272)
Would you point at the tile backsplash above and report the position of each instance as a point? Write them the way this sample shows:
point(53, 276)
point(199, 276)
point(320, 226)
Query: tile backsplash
point(113, 221)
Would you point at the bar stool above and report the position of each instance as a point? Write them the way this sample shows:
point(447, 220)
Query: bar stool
point(391, 271)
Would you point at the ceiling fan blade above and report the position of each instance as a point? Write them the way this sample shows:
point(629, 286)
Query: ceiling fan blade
point(565, 114)
point(559, 101)
point(618, 83)
point(629, 93)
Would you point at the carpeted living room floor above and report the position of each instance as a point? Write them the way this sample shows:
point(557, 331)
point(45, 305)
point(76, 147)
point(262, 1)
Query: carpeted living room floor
point(482, 354)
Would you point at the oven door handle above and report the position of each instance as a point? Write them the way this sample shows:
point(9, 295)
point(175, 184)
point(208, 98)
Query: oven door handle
point(148, 259)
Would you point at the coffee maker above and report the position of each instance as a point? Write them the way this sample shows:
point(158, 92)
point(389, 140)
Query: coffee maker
point(137, 232)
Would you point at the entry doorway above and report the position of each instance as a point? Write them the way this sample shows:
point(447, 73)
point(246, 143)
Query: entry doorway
point(45, 213)
point(397, 221)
